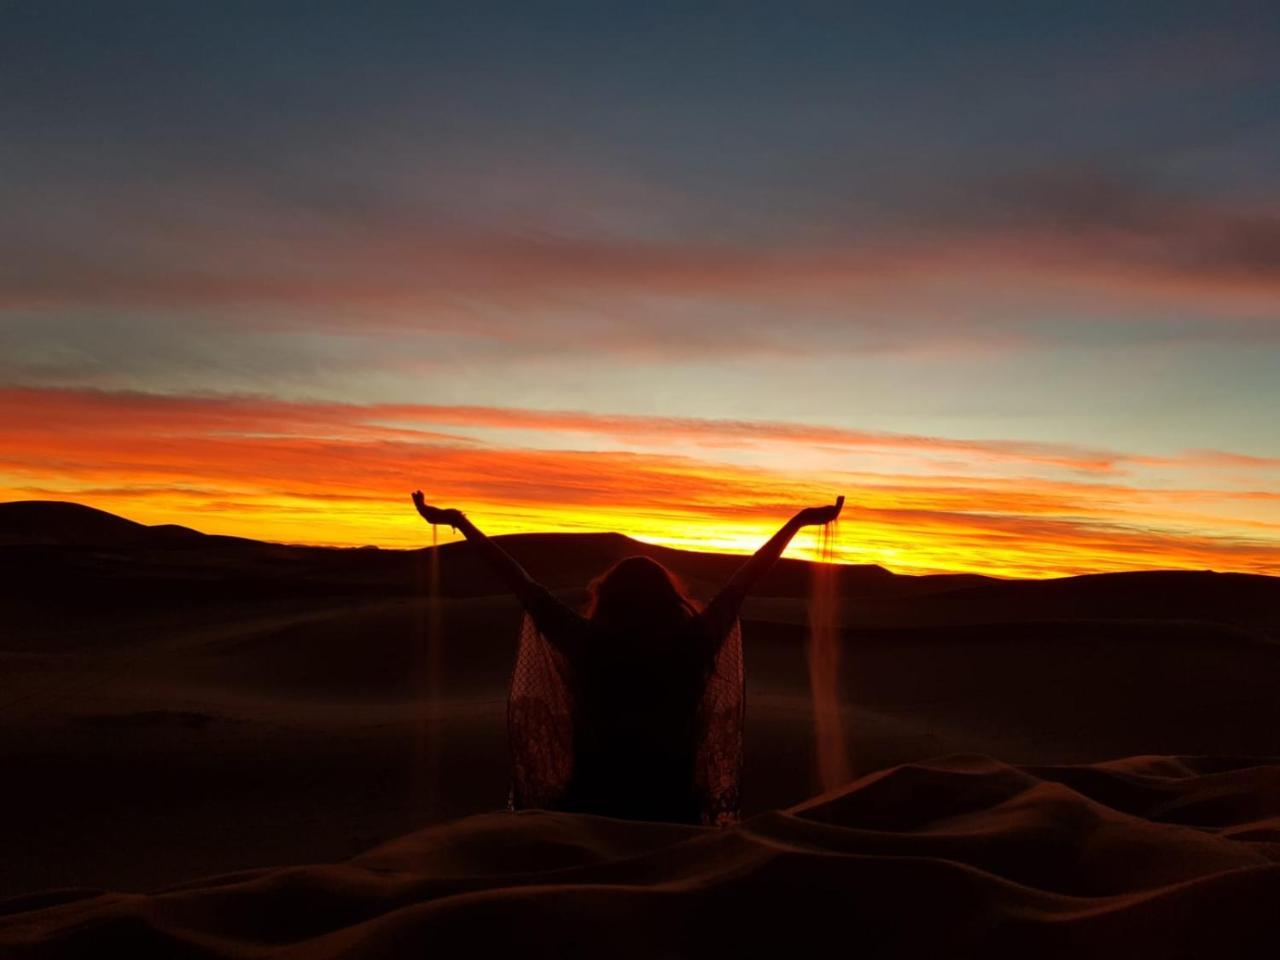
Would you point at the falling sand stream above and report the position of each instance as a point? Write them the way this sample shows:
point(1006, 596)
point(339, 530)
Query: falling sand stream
point(830, 752)
point(428, 650)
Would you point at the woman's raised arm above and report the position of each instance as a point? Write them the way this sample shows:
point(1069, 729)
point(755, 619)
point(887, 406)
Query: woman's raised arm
point(725, 605)
point(497, 559)
point(554, 618)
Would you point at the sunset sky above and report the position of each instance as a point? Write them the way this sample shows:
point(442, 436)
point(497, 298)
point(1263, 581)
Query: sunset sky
point(1005, 275)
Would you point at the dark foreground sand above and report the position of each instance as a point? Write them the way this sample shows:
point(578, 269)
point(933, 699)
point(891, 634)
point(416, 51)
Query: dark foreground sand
point(176, 706)
point(958, 856)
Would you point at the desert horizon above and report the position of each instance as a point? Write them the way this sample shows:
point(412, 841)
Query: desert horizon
point(804, 552)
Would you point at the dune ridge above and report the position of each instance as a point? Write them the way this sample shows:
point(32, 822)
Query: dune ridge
point(1167, 856)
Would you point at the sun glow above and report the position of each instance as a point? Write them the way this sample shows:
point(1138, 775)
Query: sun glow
point(340, 475)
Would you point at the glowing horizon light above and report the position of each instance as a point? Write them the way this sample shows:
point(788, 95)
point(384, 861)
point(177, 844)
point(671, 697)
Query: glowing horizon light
point(321, 474)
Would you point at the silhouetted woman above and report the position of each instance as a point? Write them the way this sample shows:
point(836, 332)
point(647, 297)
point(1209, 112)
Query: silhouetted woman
point(634, 708)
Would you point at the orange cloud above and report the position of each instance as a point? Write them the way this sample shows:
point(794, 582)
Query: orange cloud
point(265, 416)
point(339, 474)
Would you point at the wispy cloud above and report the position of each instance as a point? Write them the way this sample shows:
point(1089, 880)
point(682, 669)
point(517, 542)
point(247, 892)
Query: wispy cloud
point(337, 473)
point(264, 417)
point(1096, 235)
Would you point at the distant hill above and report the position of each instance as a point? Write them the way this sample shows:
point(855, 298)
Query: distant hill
point(562, 560)
point(75, 525)
point(76, 556)
point(50, 522)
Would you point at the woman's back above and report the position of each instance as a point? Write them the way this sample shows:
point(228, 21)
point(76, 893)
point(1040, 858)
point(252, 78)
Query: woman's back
point(637, 726)
point(630, 703)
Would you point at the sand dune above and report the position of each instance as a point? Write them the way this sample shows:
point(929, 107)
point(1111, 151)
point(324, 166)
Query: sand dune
point(175, 705)
point(1153, 856)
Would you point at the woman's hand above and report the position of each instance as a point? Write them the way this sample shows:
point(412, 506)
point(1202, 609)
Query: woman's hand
point(438, 515)
point(813, 516)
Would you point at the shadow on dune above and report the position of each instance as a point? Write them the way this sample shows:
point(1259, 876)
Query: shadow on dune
point(1151, 856)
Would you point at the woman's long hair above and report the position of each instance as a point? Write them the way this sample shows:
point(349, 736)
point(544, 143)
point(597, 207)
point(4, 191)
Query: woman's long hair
point(639, 594)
